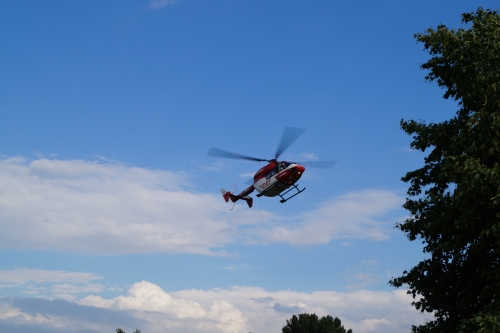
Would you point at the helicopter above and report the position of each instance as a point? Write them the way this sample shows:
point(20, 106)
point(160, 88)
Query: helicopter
point(277, 178)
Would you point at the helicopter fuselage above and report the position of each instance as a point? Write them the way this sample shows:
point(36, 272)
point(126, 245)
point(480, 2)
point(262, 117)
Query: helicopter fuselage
point(276, 177)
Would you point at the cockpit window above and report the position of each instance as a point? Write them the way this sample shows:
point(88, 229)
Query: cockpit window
point(284, 165)
point(273, 171)
point(278, 168)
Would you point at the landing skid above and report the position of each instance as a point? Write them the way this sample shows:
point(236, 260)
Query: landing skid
point(294, 186)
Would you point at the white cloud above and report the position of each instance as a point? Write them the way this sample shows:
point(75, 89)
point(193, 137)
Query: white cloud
point(244, 309)
point(8, 312)
point(24, 275)
point(236, 267)
point(247, 175)
point(308, 156)
point(161, 3)
point(349, 216)
point(359, 280)
point(101, 207)
point(32, 290)
point(238, 309)
point(373, 325)
point(110, 208)
point(147, 297)
point(58, 284)
point(304, 156)
point(24, 315)
point(66, 288)
point(216, 166)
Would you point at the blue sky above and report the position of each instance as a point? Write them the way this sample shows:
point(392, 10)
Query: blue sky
point(110, 209)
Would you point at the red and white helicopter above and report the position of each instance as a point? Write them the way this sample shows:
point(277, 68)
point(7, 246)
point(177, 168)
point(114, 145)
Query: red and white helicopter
point(276, 178)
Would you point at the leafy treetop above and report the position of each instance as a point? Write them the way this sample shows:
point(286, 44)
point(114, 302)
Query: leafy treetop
point(454, 199)
point(310, 323)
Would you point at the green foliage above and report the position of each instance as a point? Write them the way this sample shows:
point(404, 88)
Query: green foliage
point(119, 330)
point(310, 323)
point(488, 323)
point(454, 199)
point(481, 323)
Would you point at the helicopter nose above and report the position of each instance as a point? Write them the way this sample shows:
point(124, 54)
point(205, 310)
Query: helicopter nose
point(300, 169)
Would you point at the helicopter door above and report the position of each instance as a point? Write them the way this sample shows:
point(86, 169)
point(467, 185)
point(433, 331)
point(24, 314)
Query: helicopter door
point(268, 181)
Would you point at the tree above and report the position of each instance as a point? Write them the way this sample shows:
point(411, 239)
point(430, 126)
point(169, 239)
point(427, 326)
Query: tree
point(310, 323)
point(454, 199)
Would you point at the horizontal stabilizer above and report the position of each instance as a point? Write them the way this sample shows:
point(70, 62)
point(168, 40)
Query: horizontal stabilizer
point(228, 195)
point(249, 201)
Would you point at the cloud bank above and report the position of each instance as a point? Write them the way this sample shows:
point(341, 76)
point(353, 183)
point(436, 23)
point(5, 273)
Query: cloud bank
point(239, 309)
point(110, 208)
point(48, 283)
point(20, 276)
point(161, 3)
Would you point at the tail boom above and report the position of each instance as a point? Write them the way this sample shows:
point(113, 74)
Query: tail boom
point(227, 195)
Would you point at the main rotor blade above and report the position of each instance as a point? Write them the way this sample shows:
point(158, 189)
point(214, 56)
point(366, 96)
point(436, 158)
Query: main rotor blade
point(318, 164)
point(227, 154)
point(234, 189)
point(290, 134)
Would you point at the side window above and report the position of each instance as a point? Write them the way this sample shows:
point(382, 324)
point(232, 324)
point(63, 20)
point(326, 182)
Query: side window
point(272, 172)
point(284, 165)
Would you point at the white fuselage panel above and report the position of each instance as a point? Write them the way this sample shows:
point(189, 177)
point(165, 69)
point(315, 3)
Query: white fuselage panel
point(269, 186)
